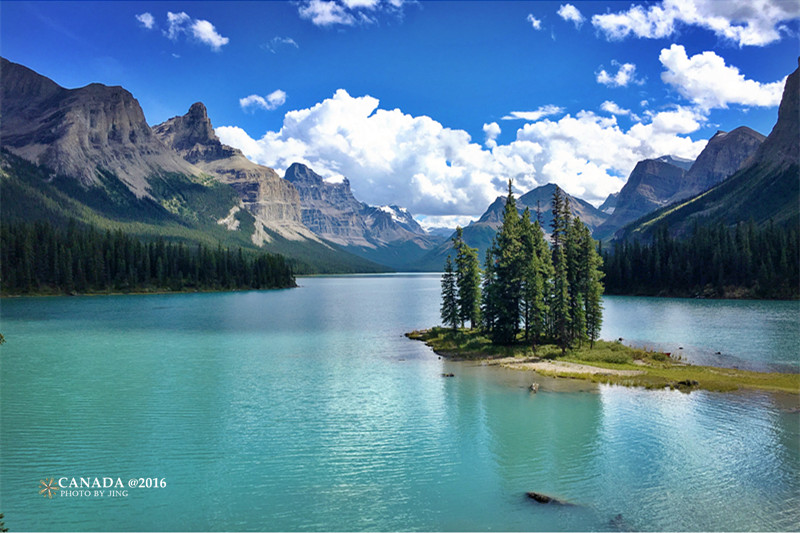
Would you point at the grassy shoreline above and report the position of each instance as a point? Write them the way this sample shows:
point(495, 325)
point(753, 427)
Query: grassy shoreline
point(608, 362)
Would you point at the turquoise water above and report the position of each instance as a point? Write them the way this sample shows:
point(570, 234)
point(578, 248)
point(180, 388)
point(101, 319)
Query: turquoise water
point(758, 335)
point(307, 409)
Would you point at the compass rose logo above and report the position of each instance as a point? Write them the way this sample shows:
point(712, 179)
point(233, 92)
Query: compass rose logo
point(47, 487)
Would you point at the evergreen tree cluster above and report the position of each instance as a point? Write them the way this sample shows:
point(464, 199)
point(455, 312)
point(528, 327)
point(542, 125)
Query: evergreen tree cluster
point(548, 293)
point(742, 261)
point(41, 258)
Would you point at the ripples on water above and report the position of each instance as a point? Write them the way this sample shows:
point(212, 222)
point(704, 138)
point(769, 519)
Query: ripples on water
point(308, 410)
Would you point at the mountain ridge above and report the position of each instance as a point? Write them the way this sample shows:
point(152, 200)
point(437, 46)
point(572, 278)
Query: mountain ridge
point(273, 201)
point(384, 234)
point(766, 189)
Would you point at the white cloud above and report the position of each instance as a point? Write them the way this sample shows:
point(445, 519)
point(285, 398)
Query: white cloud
point(394, 158)
point(205, 32)
point(328, 13)
point(611, 107)
point(277, 43)
point(447, 221)
point(708, 82)
point(535, 23)
point(272, 101)
point(626, 74)
point(202, 30)
point(571, 13)
point(147, 20)
point(543, 111)
point(492, 130)
point(591, 156)
point(176, 24)
point(355, 4)
point(325, 13)
point(744, 22)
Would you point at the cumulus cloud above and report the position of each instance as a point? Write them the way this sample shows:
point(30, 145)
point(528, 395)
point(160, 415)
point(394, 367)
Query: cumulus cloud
point(326, 13)
point(571, 13)
point(543, 111)
point(591, 156)
point(708, 82)
point(744, 22)
point(146, 20)
point(176, 24)
point(611, 107)
point(535, 23)
point(491, 130)
point(202, 30)
point(205, 32)
point(277, 43)
point(272, 101)
point(391, 157)
point(626, 74)
point(355, 4)
point(447, 221)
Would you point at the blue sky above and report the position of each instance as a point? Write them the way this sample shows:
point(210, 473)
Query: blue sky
point(433, 105)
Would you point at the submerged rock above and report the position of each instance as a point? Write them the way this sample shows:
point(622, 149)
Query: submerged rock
point(544, 498)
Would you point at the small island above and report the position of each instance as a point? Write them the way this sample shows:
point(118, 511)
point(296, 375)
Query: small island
point(537, 306)
point(608, 362)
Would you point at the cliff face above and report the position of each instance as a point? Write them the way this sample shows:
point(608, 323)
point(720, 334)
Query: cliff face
point(329, 209)
point(650, 186)
point(766, 189)
point(387, 234)
point(724, 154)
point(273, 201)
point(781, 147)
point(76, 132)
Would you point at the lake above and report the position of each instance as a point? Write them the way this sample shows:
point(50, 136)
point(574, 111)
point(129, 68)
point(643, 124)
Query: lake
point(307, 409)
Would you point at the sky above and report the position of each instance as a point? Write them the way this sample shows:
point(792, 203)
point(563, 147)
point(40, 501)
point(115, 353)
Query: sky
point(433, 105)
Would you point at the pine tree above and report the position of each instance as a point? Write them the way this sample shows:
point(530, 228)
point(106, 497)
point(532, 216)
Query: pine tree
point(449, 308)
point(593, 287)
point(560, 303)
point(509, 272)
point(536, 275)
point(489, 290)
point(468, 280)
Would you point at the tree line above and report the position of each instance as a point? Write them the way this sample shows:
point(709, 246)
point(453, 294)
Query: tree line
point(547, 293)
point(41, 258)
point(716, 260)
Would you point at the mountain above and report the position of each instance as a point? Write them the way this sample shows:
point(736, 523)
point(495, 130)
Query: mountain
point(88, 154)
point(273, 201)
point(722, 157)
point(609, 204)
point(649, 186)
point(387, 235)
point(766, 189)
point(479, 234)
point(655, 183)
point(78, 132)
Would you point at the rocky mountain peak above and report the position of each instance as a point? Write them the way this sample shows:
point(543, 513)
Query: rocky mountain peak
point(79, 132)
point(781, 146)
point(273, 202)
point(679, 162)
point(300, 173)
point(192, 135)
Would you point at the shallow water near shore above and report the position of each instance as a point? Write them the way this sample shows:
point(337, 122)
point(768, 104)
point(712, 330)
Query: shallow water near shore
point(307, 409)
